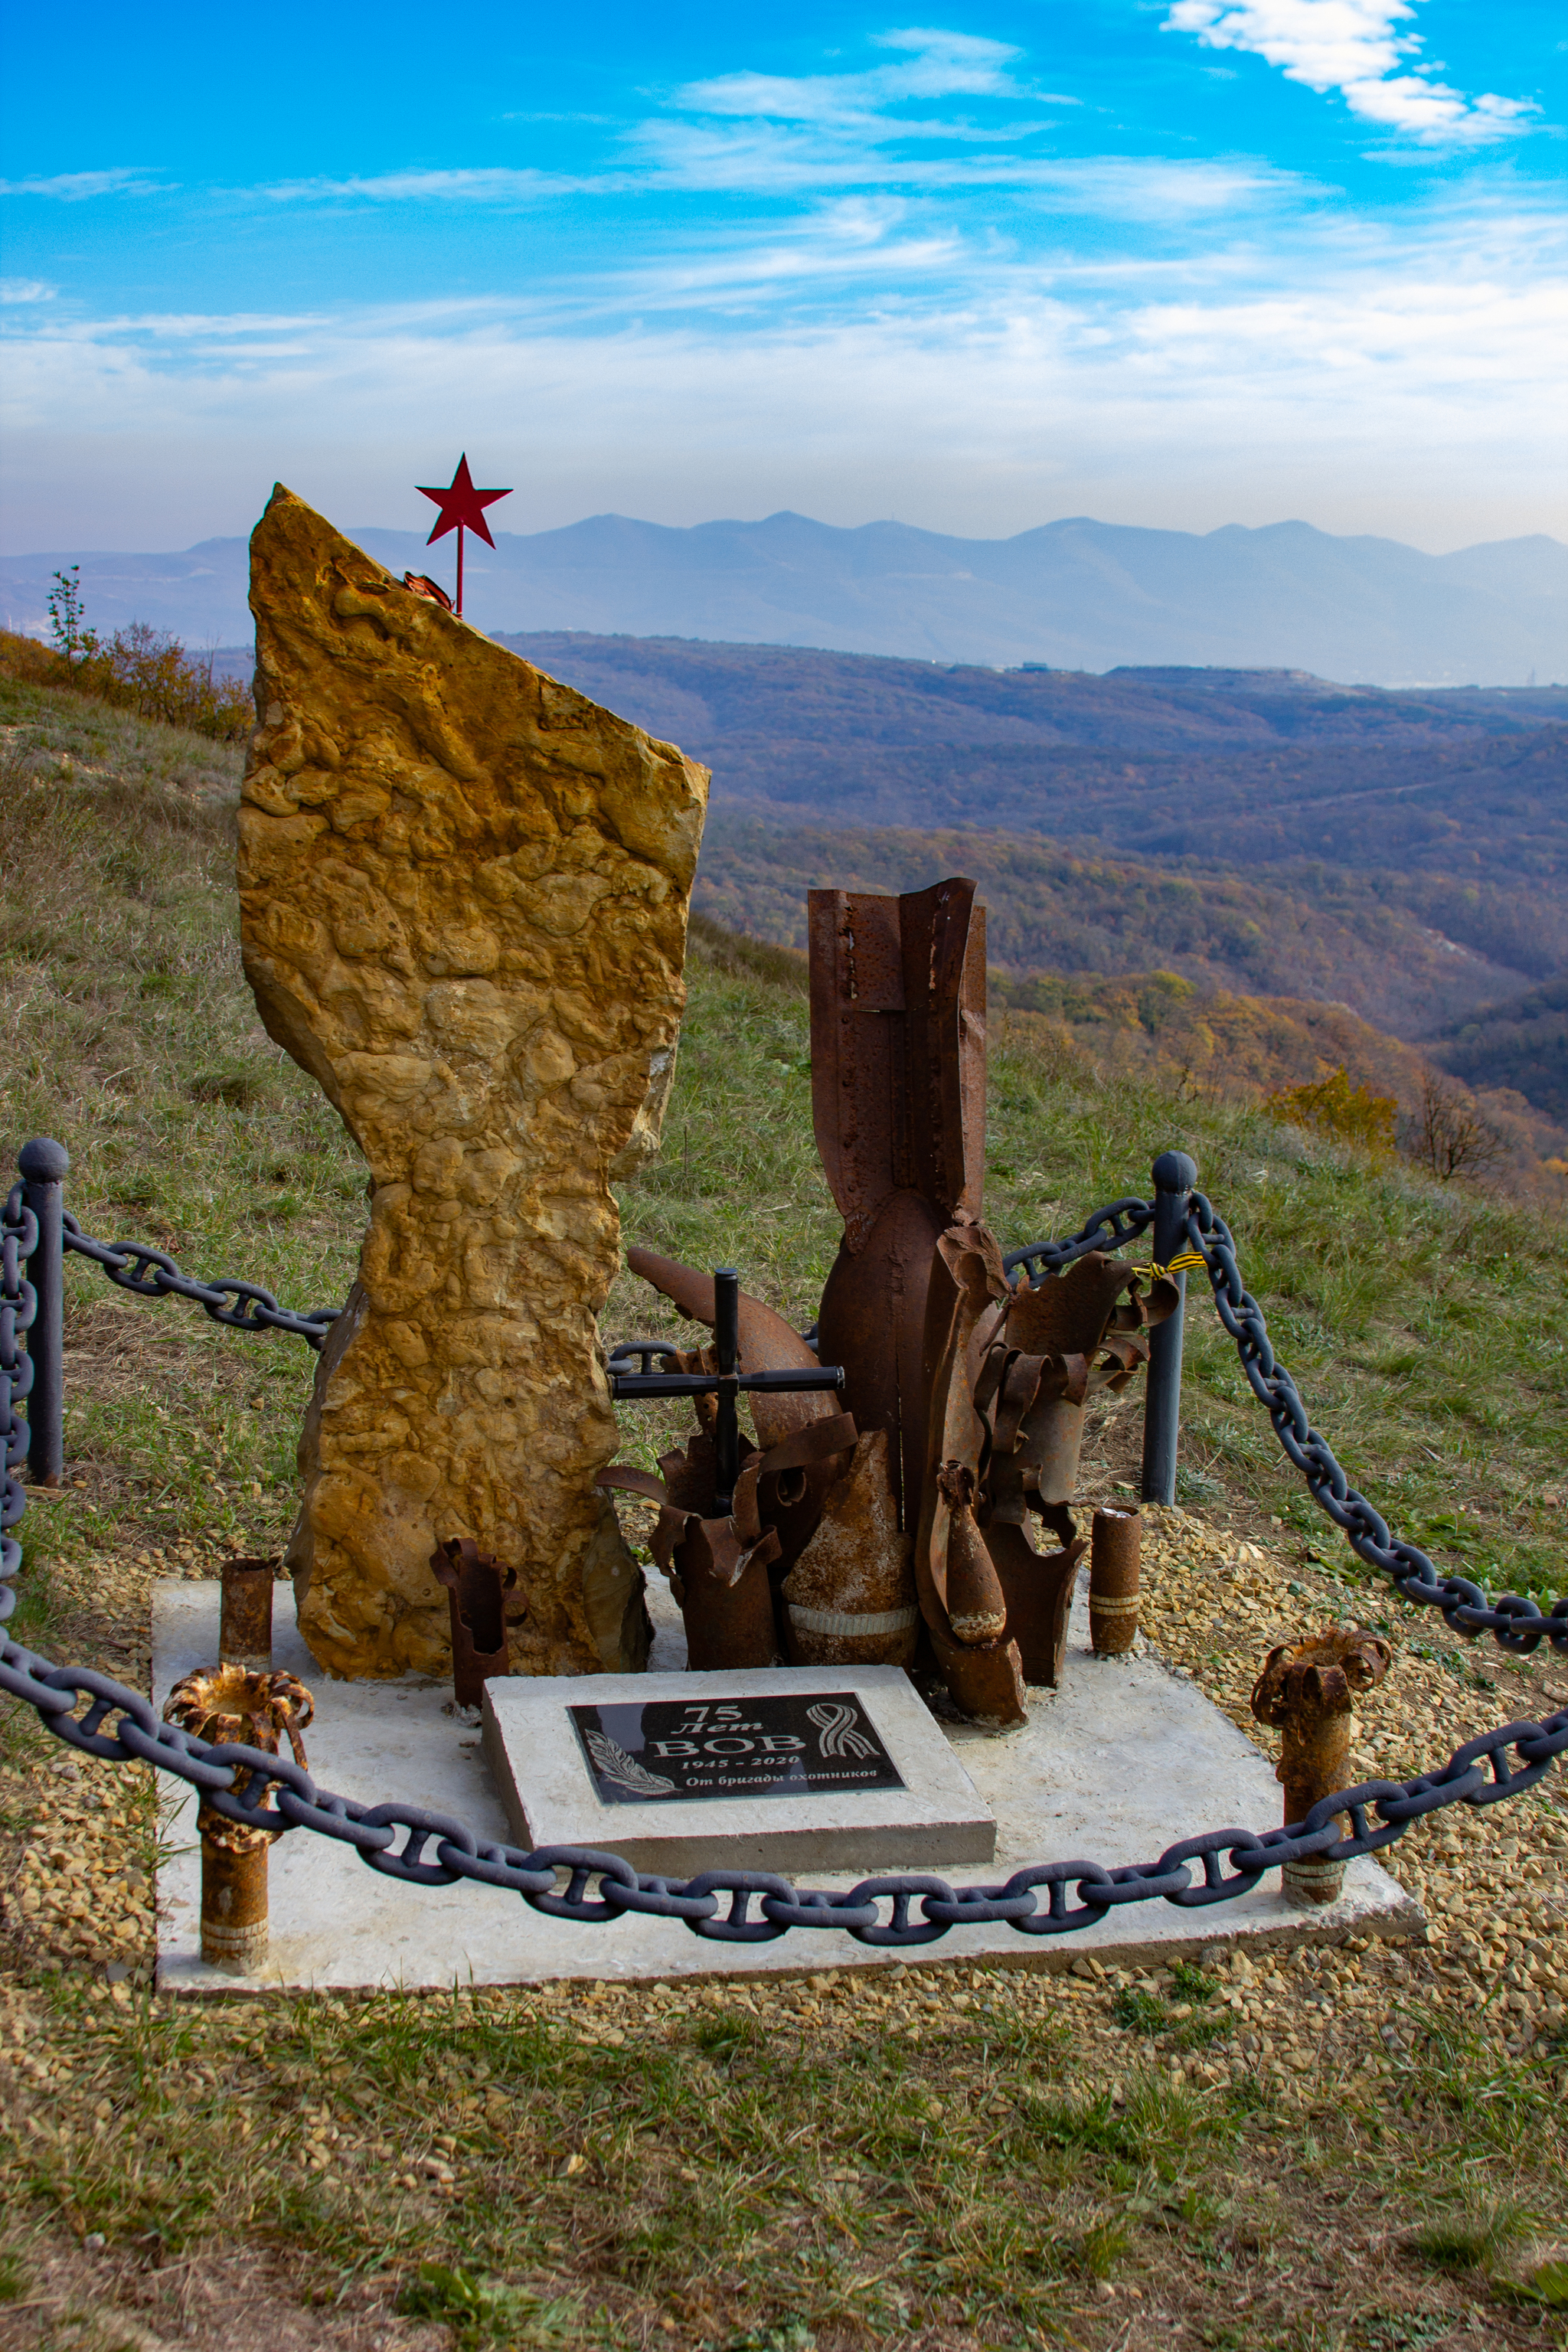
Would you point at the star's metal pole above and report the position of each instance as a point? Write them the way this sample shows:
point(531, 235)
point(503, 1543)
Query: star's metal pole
point(459, 571)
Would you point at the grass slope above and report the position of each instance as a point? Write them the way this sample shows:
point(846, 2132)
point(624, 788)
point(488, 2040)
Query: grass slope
point(1357, 2149)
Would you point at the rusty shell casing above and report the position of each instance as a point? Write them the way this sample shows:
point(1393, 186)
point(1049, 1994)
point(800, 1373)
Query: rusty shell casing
point(1314, 1760)
point(1116, 1550)
point(234, 1905)
point(1038, 1588)
point(729, 1626)
point(477, 1585)
point(245, 1625)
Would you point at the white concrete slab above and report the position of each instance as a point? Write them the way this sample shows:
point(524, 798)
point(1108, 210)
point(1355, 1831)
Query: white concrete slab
point(1122, 1761)
point(788, 1769)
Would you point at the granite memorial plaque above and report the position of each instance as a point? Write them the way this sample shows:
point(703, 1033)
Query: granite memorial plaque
point(786, 1768)
point(676, 1749)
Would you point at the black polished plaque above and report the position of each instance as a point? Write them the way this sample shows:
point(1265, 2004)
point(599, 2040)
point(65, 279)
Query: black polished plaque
point(797, 1745)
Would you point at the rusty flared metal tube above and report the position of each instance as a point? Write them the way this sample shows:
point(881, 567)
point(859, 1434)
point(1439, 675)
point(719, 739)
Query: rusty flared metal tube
point(234, 1927)
point(245, 1626)
point(1116, 1548)
point(1307, 1692)
point(231, 1706)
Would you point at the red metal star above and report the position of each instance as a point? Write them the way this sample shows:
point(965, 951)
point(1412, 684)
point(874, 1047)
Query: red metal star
point(462, 507)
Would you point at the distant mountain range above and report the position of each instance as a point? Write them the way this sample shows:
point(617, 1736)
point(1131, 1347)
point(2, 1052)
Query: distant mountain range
point(1076, 594)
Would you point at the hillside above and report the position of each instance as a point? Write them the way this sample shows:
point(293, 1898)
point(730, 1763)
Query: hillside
point(1051, 911)
point(1077, 594)
point(935, 2156)
point(1451, 809)
point(1522, 1045)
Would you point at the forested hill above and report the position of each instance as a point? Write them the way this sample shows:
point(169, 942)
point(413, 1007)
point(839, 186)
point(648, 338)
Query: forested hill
point(1451, 806)
point(694, 692)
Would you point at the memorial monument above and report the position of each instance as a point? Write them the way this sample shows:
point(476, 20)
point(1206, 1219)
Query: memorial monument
point(463, 894)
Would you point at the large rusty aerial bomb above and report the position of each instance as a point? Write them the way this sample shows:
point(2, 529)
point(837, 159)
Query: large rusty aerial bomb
point(896, 1520)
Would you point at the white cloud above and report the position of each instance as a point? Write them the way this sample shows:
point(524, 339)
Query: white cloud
point(938, 65)
point(19, 290)
point(74, 187)
point(1352, 47)
point(1407, 384)
point(482, 185)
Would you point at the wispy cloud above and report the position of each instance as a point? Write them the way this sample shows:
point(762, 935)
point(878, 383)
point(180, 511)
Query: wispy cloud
point(75, 188)
point(1352, 47)
point(935, 65)
point(484, 184)
point(1407, 381)
point(20, 291)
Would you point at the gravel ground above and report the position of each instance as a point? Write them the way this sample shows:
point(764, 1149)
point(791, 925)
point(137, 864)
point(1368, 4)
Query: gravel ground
point(1316, 2032)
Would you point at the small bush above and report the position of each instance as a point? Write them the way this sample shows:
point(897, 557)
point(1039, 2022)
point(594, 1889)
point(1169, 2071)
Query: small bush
point(139, 668)
point(1333, 1107)
point(1449, 1137)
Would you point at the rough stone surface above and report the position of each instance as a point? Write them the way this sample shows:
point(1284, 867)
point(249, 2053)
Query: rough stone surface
point(464, 893)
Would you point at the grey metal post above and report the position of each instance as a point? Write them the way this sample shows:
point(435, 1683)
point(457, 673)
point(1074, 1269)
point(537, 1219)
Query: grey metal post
point(45, 1164)
point(1175, 1176)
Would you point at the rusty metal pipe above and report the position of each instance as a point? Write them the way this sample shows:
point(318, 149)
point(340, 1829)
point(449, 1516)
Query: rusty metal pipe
point(1115, 1554)
point(245, 1626)
point(235, 1931)
point(1306, 1691)
point(230, 1706)
point(476, 1585)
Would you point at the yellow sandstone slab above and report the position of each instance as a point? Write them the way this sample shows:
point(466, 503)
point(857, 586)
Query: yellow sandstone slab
point(464, 893)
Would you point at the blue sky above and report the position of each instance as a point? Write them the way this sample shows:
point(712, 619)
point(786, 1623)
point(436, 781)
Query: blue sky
point(1180, 262)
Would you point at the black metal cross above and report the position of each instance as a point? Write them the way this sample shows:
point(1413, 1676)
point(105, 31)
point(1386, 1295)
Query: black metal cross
point(726, 1384)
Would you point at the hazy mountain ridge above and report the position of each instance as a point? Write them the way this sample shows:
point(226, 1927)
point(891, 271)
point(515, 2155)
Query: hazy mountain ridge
point(1076, 592)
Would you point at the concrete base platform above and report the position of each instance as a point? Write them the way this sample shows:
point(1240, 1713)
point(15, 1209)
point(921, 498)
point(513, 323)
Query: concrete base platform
point(1121, 1762)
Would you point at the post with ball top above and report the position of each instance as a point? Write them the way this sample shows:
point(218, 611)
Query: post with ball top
point(462, 508)
point(1175, 1176)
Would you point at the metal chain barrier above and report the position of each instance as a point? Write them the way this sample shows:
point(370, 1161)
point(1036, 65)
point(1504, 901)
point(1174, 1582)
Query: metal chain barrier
point(237, 1306)
point(1516, 1623)
point(1110, 1228)
point(19, 1305)
point(272, 1792)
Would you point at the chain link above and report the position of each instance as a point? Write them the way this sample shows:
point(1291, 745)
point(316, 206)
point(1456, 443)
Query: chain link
point(897, 1910)
point(237, 1306)
point(19, 1306)
point(1516, 1623)
point(264, 1791)
point(1110, 1228)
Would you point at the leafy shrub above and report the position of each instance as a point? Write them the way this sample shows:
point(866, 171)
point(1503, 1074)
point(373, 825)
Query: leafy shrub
point(137, 668)
point(1333, 1105)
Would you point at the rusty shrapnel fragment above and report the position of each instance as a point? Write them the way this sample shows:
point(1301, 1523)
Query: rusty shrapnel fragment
point(476, 1586)
point(1307, 1691)
point(232, 1708)
point(1115, 1554)
point(244, 1624)
point(1036, 1361)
